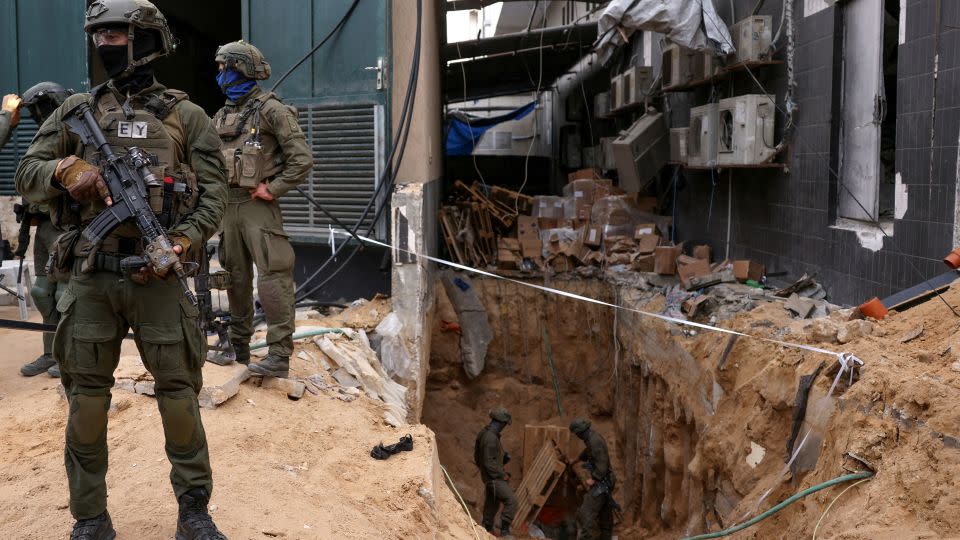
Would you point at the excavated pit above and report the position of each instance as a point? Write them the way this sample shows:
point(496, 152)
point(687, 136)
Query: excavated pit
point(698, 427)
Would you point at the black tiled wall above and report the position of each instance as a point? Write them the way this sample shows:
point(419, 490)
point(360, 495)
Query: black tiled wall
point(784, 219)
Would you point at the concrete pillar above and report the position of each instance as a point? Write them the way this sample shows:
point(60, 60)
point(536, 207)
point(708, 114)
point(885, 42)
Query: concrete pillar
point(416, 195)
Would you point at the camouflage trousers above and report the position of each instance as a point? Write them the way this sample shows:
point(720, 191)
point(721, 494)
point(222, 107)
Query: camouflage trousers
point(44, 292)
point(253, 235)
point(96, 311)
point(498, 492)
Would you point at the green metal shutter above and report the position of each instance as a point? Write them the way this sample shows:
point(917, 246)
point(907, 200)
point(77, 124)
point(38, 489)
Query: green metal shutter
point(347, 142)
point(14, 150)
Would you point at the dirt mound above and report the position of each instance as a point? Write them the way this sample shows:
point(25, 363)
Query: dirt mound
point(281, 468)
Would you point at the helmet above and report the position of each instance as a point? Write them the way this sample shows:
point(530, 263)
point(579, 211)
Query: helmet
point(245, 59)
point(501, 414)
point(134, 14)
point(43, 98)
point(579, 425)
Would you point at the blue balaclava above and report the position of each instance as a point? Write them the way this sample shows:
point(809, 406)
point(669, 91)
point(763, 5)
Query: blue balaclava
point(233, 84)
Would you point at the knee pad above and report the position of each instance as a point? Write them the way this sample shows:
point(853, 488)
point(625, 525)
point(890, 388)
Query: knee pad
point(180, 414)
point(44, 296)
point(88, 418)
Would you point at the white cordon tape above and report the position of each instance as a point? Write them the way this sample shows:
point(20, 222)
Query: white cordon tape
point(847, 360)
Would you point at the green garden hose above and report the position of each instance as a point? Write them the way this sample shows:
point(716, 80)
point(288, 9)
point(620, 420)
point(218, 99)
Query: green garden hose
point(300, 335)
point(784, 504)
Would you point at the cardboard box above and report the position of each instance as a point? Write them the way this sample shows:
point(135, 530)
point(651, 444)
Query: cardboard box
point(689, 268)
point(508, 243)
point(587, 174)
point(548, 207)
point(593, 236)
point(528, 236)
point(701, 252)
point(746, 270)
point(548, 223)
point(665, 260)
point(618, 244)
point(647, 243)
point(507, 260)
point(644, 229)
point(643, 263)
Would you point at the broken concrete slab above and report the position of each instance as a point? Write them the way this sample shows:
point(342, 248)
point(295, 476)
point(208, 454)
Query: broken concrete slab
point(474, 322)
point(800, 306)
point(362, 363)
point(294, 389)
point(853, 330)
point(221, 383)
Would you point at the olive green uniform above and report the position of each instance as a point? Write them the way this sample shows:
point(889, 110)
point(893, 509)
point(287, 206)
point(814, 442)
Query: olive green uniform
point(488, 455)
point(253, 232)
point(99, 304)
point(595, 515)
point(45, 293)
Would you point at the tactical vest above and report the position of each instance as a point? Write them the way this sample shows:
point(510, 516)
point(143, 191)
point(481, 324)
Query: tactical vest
point(251, 155)
point(147, 123)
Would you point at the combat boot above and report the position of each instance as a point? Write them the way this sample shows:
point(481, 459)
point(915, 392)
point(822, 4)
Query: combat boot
point(238, 352)
point(193, 522)
point(272, 366)
point(505, 534)
point(98, 528)
point(54, 371)
point(38, 366)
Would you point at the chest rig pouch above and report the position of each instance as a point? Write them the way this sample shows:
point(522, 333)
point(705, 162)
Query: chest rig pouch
point(251, 156)
point(149, 122)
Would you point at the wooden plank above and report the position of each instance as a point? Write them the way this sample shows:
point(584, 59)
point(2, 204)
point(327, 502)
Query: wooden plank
point(535, 436)
point(537, 485)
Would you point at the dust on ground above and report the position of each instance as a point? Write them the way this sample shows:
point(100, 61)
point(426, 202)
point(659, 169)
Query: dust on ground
point(281, 468)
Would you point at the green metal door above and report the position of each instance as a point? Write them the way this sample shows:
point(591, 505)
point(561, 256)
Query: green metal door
point(38, 47)
point(342, 94)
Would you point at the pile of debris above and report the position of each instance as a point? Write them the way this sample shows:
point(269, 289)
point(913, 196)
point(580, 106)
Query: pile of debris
point(593, 225)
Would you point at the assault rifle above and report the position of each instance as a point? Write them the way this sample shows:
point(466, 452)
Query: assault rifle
point(213, 321)
point(127, 177)
point(25, 219)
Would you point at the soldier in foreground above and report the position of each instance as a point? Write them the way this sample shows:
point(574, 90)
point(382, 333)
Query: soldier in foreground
point(490, 458)
point(42, 100)
point(103, 298)
point(266, 155)
point(595, 516)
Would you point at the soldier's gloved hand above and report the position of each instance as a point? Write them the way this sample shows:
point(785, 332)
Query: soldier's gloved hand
point(11, 104)
point(82, 180)
point(181, 244)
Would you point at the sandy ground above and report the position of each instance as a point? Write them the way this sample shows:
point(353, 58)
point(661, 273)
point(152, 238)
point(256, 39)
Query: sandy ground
point(281, 468)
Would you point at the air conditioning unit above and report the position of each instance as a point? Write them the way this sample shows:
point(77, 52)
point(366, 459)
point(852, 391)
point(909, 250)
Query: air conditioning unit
point(746, 130)
point(636, 83)
point(607, 161)
point(702, 141)
point(616, 92)
point(641, 151)
point(705, 65)
point(601, 105)
point(678, 145)
point(752, 37)
point(678, 66)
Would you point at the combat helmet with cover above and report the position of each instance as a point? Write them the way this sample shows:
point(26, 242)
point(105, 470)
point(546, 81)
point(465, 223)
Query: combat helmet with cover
point(137, 16)
point(245, 59)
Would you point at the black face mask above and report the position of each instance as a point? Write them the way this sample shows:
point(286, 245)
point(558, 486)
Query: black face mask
point(114, 58)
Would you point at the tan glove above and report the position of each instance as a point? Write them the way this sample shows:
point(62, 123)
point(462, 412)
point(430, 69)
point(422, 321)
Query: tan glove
point(11, 104)
point(82, 180)
point(182, 241)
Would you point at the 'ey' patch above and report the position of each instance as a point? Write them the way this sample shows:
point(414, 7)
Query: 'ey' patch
point(132, 130)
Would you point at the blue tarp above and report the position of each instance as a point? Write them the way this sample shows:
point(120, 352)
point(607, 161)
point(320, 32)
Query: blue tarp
point(463, 131)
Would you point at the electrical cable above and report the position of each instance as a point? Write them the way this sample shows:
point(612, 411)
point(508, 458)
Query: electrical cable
point(536, 97)
point(835, 499)
point(404, 133)
point(840, 182)
point(784, 504)
point(463, 73)
point(343, 21)
point(388, 174)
